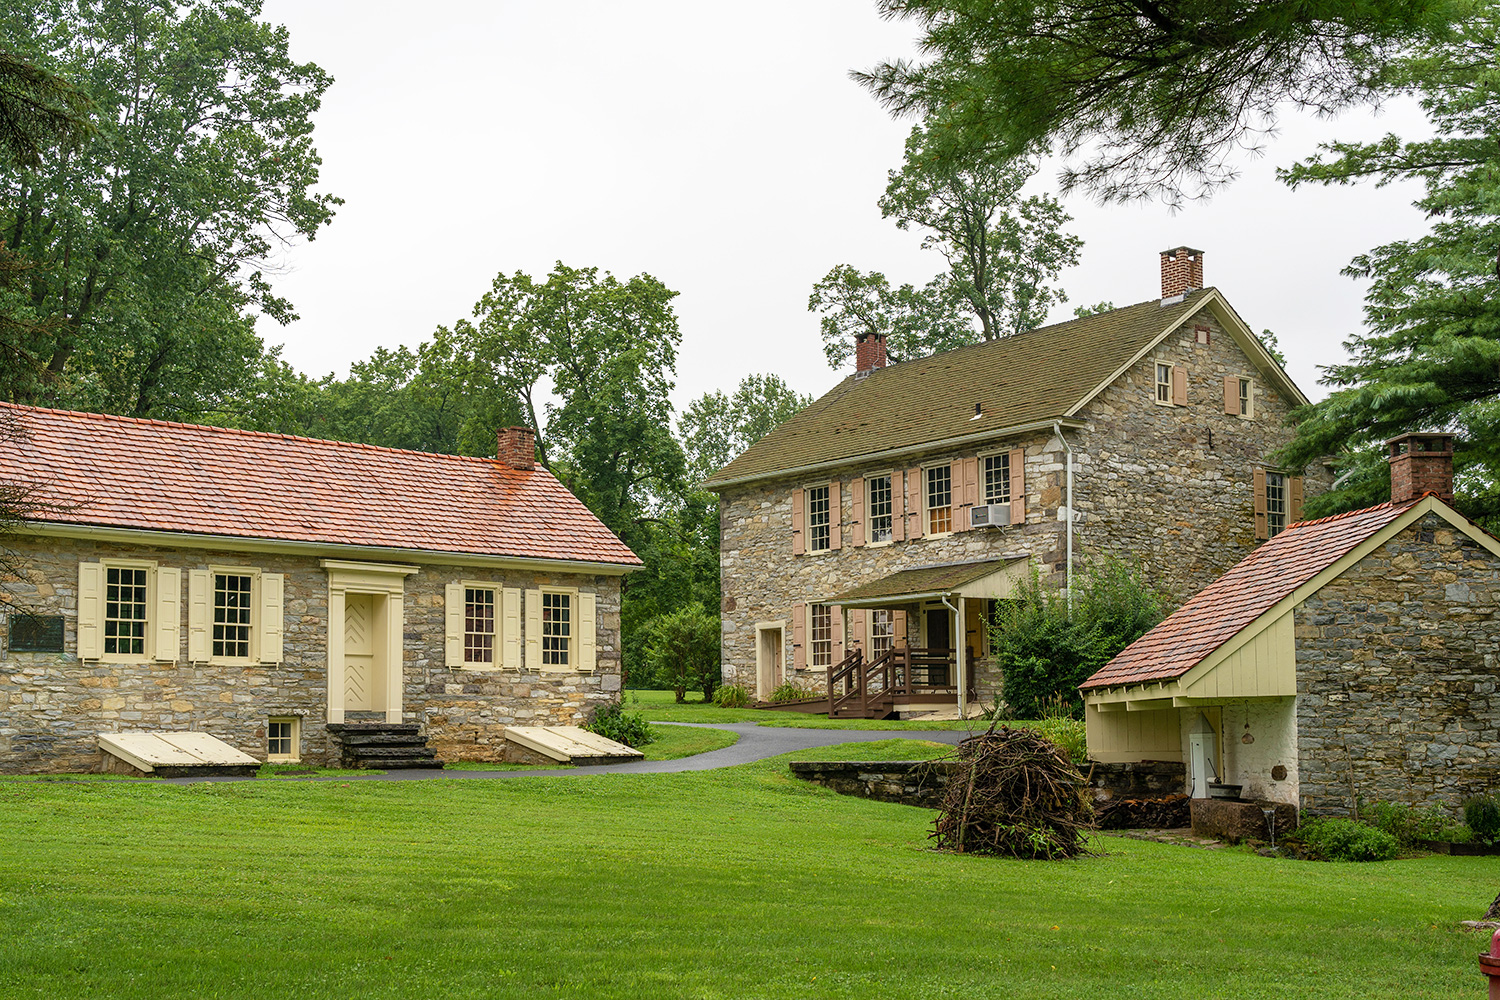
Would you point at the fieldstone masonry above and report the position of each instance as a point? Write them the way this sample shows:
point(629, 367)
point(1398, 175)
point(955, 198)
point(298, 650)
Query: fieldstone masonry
point(1398, 661)
point(52, 705)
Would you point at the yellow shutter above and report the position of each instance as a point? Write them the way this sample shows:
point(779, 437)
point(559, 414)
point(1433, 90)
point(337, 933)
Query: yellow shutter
point(510, 634)
point(90, 613)
point(168, 614)
point(1017, 462)
point(835, 515)
point(799, 636)
point(200, 614)
point(857, 512)
point(1294, 499)
point(272, 616)
point(1179, 385)
point(1261, 530)
point(453, 625)
point(534, 630)
point(588, 654)
point(1231, 395)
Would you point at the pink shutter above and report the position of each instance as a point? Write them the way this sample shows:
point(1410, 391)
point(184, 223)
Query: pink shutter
point(835, 515)
point(898, 628)
point(1179, 385)
point(1018, 486)
point(966, 489)
point(1262, 531)
point(914, 503)
point(857, 631)
point(898, 507)
point(798, 514)
point(1231, 395)
point(1294, 499)
point(836, 621)
point(857, 512)
point(799, 636)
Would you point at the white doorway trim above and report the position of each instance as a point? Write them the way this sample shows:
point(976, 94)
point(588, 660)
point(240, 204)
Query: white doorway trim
point(383, 579)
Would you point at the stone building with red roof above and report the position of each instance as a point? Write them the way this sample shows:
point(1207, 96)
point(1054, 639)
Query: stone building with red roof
point(1355, 657)
point(263, 588)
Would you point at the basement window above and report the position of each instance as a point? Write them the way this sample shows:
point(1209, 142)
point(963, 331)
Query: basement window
point(283, 739)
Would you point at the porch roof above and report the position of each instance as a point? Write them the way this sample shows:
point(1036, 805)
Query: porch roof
point(989, 578)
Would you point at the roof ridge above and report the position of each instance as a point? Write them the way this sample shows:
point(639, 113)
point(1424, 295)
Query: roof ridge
point(1355, 513)
point(156, 421)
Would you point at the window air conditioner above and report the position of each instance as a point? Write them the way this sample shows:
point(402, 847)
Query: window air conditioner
point(995, 515)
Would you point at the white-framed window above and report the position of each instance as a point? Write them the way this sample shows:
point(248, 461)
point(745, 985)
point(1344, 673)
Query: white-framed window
point(1164, 384)
point(284, 739)
point(997, 478)
point(1276, 503)
point(129, 610)
point(879, 507)
point(820, 643)
point(882, 631)
point(127, 606)
point(557, 628)
point(233, 615)
point(819, 535)
point(1247, 398)
point(479, 625)
point(939, 499)
point(482, 625)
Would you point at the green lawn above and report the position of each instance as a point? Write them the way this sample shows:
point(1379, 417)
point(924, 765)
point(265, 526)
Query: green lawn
point(740, 883)
point(671, 743)
point(661, 706)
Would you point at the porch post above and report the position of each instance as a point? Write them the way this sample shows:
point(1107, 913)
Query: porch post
point(960, 617)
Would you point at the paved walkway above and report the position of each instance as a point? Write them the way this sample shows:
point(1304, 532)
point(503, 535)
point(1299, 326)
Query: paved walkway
point(755, 743)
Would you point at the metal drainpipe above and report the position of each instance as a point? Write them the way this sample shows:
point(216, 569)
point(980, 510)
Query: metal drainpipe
point(1067, 448)
point(958, 658)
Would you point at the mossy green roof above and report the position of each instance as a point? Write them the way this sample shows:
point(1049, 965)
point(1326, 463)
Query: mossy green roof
point(923, 580)
point(1035, 376)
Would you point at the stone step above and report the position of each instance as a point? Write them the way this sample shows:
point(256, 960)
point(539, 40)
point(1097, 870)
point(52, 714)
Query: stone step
point(382, 739)
point(407, 764)
point(390, 753)
point(374, 727)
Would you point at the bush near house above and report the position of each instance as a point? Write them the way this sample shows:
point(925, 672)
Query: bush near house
point(1410, 824)
point(614, 723)
point(1337, 839)
point(682, 650)
point(732, 696)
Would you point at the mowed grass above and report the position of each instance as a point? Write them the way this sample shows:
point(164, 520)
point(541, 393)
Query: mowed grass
point(661, 706)
point(671, 743)
point(740, 883)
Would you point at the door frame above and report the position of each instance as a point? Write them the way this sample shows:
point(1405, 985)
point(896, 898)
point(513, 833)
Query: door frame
point(767, 667)
point(384, 579)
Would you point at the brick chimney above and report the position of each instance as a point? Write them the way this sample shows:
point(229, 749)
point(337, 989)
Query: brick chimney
point(869, 352)
point(1421, 463)
point(1181, 271)
point(517, 448)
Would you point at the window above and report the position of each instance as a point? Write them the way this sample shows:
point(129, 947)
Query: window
point(1275, 503)
point(940, 499)
point(231, 638)
point(557, 628)
point(125, 611)
point(818, 534)
point(479, 625)
point(997, 479)
point(1244, 397)
point(882, 631)
point(822, 637)
point(283, 739)
point(1163, 383)
point(880, 510)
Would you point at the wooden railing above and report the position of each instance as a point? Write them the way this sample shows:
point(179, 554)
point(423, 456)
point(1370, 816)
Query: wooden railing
point(872, 687)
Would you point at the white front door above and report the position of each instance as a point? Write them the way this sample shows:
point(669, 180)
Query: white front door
point(364, 685)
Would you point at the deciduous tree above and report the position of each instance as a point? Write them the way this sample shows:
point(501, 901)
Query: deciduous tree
point(716, 427)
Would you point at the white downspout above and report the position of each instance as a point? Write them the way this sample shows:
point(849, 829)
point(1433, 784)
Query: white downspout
point(958, 654)
point(1068, 449)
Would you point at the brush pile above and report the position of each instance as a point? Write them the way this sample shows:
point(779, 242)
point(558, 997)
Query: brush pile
point(1015, 794)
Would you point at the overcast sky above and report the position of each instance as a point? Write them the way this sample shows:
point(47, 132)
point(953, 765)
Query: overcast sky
point(724, 150)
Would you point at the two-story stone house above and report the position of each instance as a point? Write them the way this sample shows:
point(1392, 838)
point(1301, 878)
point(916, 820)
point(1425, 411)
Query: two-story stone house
point(888, 511)
point(268, 589)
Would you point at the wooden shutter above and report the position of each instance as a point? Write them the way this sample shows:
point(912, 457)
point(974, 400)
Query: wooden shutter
point(168, 614)
point(1261, 530)
point(898, 628)
point(272, 616)
point(858, 630)
point(1179, 385)
point(510, 625)
point(1293, 499)
point(835, 515)
point(200, 614)
point(534, 630)
point(588, 654)
point(90, 613)
point(1017, 462)
point(799, 636)
point(898, 507)
point(965, 491)
point(914, 503)
point(857, 512)
point(798, 515)
point(453, 625)
point(1232, 395)
point(836, 626)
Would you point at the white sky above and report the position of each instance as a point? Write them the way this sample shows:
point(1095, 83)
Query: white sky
point(723, 149)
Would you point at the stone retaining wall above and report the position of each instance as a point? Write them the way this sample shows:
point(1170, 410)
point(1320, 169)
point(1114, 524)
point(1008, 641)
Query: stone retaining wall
point(910, 783)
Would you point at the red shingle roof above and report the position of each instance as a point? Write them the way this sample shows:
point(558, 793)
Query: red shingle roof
point(161, 476)
point(1219, 611)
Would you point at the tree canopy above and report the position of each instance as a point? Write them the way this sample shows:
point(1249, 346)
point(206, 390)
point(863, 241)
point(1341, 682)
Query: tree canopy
point(716, 427)
point(1142, 97)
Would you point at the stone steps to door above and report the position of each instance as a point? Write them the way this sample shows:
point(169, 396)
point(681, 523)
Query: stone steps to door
point(382, 745)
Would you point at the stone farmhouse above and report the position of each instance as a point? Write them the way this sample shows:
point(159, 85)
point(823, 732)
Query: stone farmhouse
point(1353, 657)
point(881, 518)
point(268, 590)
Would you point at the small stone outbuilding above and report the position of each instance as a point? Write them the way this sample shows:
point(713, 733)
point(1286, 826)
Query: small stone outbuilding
point(1351, 658)
point(261, 588)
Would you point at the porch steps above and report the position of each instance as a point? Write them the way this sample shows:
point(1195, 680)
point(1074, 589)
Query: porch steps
point(385, 746)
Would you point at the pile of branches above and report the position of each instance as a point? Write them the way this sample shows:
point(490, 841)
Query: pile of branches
point(1014, 793)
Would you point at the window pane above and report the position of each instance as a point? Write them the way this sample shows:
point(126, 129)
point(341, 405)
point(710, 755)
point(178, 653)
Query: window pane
point(822, 636)
point(939, 500)
point(1245, 396)
point(231, 631)
point(882, 631)
point(1163, 383)
point(557, 627)
point(125, 611)
point(817, 519)
point(1275, 503)
point(997, 479)
point(479, 625)
point(880, 508)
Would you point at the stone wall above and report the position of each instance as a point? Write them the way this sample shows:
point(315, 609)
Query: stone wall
point(1397, 665)
point(911, 783)
point(52, 705)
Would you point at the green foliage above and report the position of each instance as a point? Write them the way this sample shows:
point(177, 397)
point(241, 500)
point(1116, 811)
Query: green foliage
point(792, 691)
point(1099, 307)
point(732, 696)
point(914, 321)
point(716, 427)
point(1339, 839)
point(614, 723)
point(1067, 732)
point(1151, 96)
point(1482, 813)
point(682, 649)
point(39, 112)
point(1045, 649)
point(1409, 824)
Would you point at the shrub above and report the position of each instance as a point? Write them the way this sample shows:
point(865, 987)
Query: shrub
point(732, 696)
point(1067, 733)
point(1348, 840)
point(682, 649)
point(1409, 824)
point(1482, 813)
point(614, 723)
point(792, 691)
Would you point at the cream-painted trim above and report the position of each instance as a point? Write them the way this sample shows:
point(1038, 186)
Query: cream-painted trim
point(1158, 365)
point(891, 454)
point(296, 754)
point(1249, 413)
point(499, 603)
point(575, 633)
point(255, 611)
point(927, 531)
point(894, 477)
point(382, 579)
point(1242, 335)
point(189, 540)
point(807, 488)
point(153, 612)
